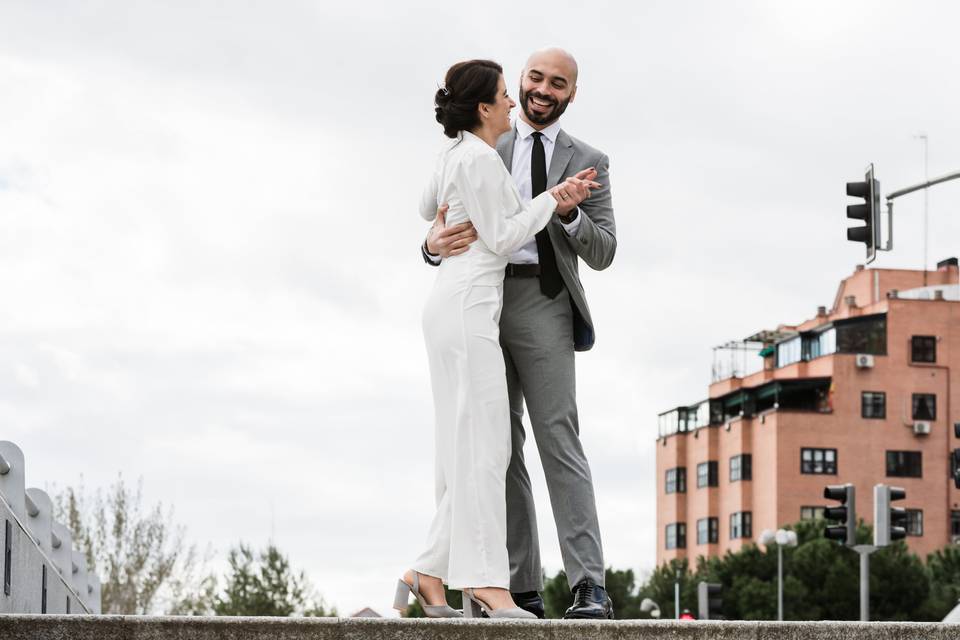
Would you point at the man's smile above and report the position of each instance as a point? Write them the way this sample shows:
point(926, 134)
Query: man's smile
point(540, 104)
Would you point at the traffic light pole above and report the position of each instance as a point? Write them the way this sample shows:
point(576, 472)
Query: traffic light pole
point(865, 550)
point(902, 192)
point(923, 185)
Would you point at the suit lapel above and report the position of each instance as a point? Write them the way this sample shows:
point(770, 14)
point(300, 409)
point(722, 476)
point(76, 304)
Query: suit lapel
point(505, 147)
point(562, 152)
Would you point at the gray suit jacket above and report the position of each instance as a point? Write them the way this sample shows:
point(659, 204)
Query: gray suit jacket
point(595, 241)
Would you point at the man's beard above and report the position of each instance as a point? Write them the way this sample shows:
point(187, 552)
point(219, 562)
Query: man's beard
point(549, 116)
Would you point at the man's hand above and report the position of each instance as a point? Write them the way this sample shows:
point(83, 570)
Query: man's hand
point(449, 241)
point(574, 190)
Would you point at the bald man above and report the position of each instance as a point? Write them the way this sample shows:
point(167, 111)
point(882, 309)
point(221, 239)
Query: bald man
point(545, 318)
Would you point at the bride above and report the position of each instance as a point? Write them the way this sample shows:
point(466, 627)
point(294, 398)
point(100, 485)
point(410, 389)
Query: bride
point(466, 544)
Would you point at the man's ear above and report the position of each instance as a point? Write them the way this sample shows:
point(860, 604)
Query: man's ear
point(574, 94)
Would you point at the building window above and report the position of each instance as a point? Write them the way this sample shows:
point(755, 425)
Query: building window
point(741, 525)
point(789, 351)
point(741, 467)
point(708, 531)
point(707, 474)
point(866, 334)
point(923, 349)
point(677, 535)
point(924, 406)
point(811, 513)
point(955, 523)
point(818, 461)
point(677, 480)
point(914, 522)
point(806, 347)
point(905, 464)
point(873, 404)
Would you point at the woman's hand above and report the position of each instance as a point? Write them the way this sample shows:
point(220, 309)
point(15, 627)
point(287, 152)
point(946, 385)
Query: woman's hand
point(574, 190)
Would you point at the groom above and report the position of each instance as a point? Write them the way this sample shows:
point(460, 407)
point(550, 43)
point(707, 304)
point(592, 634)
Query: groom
point(545, 319)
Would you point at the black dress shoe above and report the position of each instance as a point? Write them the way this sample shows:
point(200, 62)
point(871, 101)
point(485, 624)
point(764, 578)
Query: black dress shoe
point(530, 601)
point(590, 602)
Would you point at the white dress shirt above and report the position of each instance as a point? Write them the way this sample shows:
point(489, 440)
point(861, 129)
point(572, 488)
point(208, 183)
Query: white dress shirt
point(521, 172)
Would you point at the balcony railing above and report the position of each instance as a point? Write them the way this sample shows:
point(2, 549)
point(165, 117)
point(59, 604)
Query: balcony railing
point(736, 359)
point(683, 419)
point(807, 394)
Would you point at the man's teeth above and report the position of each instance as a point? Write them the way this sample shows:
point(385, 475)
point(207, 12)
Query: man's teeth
point(540, 103)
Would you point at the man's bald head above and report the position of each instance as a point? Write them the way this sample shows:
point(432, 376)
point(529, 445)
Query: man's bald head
point(547, 85)
point(556, 58)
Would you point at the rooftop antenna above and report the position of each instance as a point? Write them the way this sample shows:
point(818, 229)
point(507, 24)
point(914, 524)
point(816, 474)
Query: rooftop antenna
point(926, 201)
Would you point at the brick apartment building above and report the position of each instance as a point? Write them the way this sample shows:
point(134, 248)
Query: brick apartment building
point(859, 394)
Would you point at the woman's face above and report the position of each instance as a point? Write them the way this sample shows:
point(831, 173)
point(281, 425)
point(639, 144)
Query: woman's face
point(499, 112)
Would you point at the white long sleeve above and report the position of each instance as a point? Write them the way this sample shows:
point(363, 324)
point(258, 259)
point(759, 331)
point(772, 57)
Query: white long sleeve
point(490, 197)
point(428, 199)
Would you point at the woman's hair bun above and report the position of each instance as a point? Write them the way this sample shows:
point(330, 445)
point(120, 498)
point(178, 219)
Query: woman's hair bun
point(441, 100)
point(467, 84)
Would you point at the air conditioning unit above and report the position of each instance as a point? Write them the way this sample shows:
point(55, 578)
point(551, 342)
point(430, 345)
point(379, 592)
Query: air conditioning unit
point(921, 428)
point(864, 361)
point(954, 539)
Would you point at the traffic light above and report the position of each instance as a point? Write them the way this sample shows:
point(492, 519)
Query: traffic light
point(868, 211)
point(709, 602)
point(845, 514)
point(889, 523)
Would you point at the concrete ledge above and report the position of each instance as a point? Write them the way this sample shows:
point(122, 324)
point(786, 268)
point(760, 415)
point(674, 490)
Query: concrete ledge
point(54, 627)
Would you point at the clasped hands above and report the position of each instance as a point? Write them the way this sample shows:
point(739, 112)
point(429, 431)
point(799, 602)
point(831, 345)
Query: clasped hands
point(452, 241)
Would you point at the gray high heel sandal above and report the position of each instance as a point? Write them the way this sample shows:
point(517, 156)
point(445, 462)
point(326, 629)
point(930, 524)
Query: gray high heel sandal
point(402, 600)
point(474, 608)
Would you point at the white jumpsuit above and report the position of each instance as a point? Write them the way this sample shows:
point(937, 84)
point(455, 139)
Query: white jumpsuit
point(467, 541)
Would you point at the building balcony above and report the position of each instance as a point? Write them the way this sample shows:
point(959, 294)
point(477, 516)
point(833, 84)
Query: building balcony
point(769, 355)
point(807, 394)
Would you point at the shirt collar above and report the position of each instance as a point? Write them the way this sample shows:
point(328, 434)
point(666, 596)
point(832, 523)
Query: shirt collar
point(550, 133)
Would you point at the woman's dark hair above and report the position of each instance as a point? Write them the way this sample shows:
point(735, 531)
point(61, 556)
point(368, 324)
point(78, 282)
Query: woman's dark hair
point(467, 85)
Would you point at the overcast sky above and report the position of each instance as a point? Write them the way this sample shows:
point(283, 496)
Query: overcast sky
point(209, 274)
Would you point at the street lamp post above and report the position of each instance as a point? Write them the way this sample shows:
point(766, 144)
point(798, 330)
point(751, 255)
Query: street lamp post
point(782, 538)
point(676, 597)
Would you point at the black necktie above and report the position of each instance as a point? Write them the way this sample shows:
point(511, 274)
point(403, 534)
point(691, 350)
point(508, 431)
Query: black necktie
point(550, 282)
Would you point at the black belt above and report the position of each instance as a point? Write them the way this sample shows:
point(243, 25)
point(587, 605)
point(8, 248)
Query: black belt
point(523, 270)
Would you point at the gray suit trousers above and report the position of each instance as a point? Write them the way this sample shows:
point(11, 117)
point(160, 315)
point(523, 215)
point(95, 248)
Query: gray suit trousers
point(536, 334)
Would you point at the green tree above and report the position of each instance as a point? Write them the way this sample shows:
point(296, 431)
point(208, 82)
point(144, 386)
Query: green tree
point(622, 588)
point(899, 584)
point(746, 580)
point(264, 584)
point(557, 597)
point(821, 581)
point(659, 587)
point(943, 568)
point(139, 553)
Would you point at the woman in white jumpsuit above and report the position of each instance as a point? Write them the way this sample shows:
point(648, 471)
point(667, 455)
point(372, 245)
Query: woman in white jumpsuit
point(466, 545)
